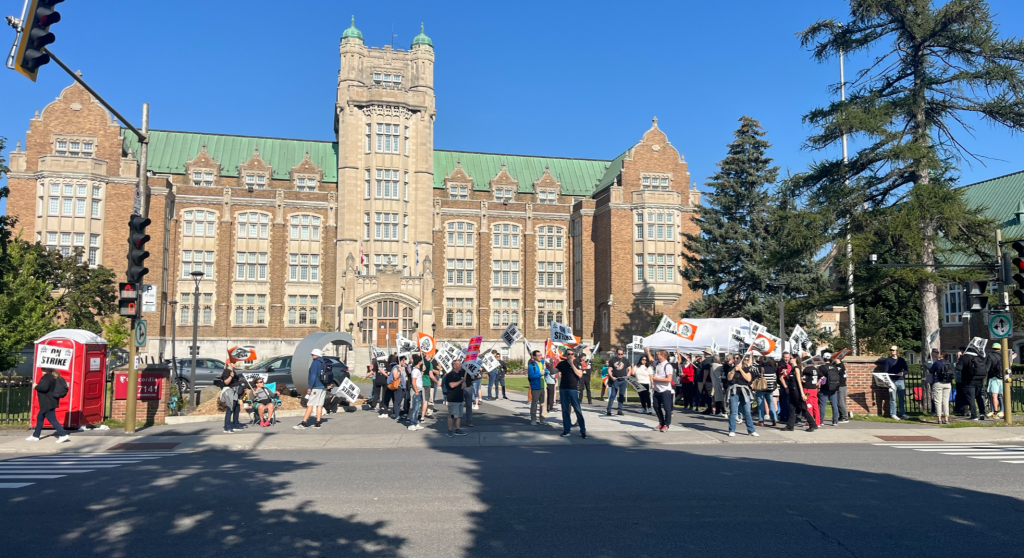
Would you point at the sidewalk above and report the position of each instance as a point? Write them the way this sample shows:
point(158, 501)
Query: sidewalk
point(497, 423)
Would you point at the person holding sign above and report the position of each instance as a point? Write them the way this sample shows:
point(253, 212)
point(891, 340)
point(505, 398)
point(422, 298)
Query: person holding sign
point(535, 375)
point(456, 382)
point(740, 395)
point(569, 387)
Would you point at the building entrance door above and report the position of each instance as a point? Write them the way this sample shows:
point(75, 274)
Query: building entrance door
point(387, 331)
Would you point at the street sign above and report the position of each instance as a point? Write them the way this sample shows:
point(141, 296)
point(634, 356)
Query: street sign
point(1000, 325)
point(140, 333)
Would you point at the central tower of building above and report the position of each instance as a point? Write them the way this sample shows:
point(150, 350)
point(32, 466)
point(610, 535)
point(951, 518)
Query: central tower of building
point(384, 120)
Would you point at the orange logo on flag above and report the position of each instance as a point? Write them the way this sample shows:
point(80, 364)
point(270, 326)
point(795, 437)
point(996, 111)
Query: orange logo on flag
point(686, 330)
point(763, 344)
point(426, 345)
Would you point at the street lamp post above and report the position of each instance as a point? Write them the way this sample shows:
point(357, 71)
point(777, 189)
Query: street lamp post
point(197, 276)
point(174, 359)
point(782, 310)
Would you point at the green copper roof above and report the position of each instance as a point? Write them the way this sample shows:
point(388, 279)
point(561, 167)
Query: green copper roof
point(577, 176)
point(1001, 197)
point(352, 32)
point(422, 39)
point(169, 151)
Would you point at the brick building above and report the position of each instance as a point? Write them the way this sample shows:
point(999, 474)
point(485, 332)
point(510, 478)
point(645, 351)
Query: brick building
point(376, 233)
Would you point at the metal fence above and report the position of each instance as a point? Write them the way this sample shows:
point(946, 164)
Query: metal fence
point(15, 398)
point(917, 392)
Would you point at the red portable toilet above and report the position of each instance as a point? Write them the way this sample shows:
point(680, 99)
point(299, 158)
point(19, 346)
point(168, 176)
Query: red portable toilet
point(81, 358)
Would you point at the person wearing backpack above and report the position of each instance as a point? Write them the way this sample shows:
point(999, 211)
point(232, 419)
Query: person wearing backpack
point(943, 373)
point(49, 391)
point(316, 391)
point(829, 392)
point(843, 415)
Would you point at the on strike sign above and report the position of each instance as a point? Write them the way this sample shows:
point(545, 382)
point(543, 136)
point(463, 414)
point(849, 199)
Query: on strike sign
point(57, 358)
point(149, 386)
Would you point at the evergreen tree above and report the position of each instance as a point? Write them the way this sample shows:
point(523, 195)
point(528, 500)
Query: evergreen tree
point(933, 68)
point(728, 260)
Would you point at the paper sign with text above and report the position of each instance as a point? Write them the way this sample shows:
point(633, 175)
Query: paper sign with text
point(57, 358)
point(511, 335)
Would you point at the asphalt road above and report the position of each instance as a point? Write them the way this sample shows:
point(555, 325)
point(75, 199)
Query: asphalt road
point(602, 501)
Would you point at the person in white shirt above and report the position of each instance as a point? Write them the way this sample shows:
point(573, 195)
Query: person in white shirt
point(643, 371)
point(662, 378)
point(416, 392)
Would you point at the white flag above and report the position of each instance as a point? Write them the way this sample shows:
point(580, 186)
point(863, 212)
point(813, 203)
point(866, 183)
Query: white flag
point(405, 345)
point(562, 334)
point(666, 325)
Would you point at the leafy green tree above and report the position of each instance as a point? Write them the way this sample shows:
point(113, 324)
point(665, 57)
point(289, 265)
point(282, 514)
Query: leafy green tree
point(933, 69)
point(116, 332)
point(27, 305)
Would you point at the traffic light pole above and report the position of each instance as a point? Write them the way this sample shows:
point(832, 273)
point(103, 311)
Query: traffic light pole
point(1004, 347)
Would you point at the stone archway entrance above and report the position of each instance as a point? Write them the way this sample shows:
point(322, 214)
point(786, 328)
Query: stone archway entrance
point(382, 318)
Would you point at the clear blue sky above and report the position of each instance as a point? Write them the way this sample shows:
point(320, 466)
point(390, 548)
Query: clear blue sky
point(579, 79)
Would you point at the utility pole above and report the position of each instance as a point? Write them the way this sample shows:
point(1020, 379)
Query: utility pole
point(1004, 345)
point(850, 306)
point(140, 208)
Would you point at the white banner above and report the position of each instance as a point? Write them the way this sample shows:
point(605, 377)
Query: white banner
point(379, 354)
point(511, 335)
point(252, 376)
point(666, 325)
point(489, 362)
point(57, 358)
point(406, 345)
point(347, 390)
point(562, 334)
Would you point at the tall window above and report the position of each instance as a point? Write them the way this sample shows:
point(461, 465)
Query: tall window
point(460, 233)
point(304, 227)
point(251, 266)
point(660, 268)
point(303, 310)
point(460, 272)
point(458, 312)
point(550, 237)
point(197, 260)
point(549, 311)
point(385, 226)
point(366, 192)
point(304, 267)
point(952, 304)
point(387, 137)
point(407, 324)
point(199, 223)
point(250, 309)
point(506, 273)
point(504, 312)
point(505, 236)
point(387, 184)
point(253, 225)
point(550, 274)
point(458, 192)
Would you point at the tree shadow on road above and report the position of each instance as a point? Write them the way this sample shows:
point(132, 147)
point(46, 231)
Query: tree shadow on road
point(200, 504)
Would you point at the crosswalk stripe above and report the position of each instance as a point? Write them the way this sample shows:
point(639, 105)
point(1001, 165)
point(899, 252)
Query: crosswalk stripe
point(1018, 462)
point(989, 456)
point(4, 466)
point(61, 457)
point(113, 463)
point(11, 477)
point(1001, 453)
point(15, 484)
point(47, 470)
point(42, 467)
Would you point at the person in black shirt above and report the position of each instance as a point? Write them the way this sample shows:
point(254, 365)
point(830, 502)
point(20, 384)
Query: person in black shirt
point(456, 382)
point(570, 380)
point(619, 368)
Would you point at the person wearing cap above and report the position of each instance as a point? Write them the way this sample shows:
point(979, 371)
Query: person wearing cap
point(828, 393)
point(896, 367)
point(994, 380)
point(315, 392)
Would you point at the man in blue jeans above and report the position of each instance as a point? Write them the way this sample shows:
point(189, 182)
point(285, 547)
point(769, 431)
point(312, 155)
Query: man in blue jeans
point(569, 387)
point(618, 369)
point(896, 368)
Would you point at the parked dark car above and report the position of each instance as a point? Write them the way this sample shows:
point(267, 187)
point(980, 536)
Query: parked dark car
point(279, 369)
point(207, 370)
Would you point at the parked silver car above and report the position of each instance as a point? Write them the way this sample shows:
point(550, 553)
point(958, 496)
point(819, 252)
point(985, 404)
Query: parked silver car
point(207, 370)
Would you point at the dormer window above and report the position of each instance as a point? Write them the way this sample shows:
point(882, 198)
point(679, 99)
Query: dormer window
point(202, 178)
point(547, 197)
point(256, 181)
point(458, 192)
point(650, 181)
point(305, 184)
point(73, 147)
point(387, 80)
point(503, 195)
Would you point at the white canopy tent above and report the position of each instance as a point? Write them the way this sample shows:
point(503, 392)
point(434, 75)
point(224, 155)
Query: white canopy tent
point(708, 330)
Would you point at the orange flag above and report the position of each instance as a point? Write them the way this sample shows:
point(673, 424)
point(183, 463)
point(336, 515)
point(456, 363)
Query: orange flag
point(426, 345)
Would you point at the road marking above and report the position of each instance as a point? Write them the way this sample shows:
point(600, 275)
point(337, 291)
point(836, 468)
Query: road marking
point(44, 467)
point(1002, 453)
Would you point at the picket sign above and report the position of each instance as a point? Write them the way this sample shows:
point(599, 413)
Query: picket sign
point(666, 324)
point(511, 335)
point(446, 355)
point(472, 368)
point(347, 390)
point(405, 345)
point(798, 339)
point(714, 347)
point(638, 342)
point(378, 353)
point(57, 358)
point(489, 362)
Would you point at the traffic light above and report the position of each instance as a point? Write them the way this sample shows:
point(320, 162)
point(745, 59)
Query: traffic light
point(128, 304)
point(1015, 281)
point(137, 254)
point(35, 35)
point(977, 295)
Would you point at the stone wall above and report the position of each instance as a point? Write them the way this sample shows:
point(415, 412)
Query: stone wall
point(861, 398)
point(147, 411)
